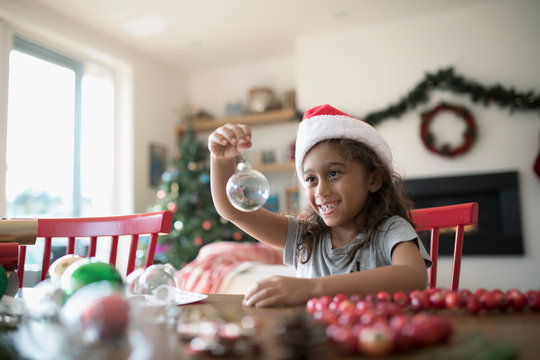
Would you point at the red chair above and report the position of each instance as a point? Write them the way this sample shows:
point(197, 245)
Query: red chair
point(450, 216)
point(134, 225)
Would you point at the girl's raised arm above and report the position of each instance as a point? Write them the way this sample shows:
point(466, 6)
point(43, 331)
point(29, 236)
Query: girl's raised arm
point(225, 143)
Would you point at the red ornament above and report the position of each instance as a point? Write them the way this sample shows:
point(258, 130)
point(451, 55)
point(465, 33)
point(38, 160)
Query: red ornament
point(206, 225)
point(172, 207)
point(429, 139)
point(237, 236)
point(198, 241)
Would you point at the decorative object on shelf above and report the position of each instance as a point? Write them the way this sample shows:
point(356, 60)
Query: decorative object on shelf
point(289, 99)
point(234, 109)
point(201, 115)
point(446, 79)
point(261, 99)
point(268, 157)
point(429, 139)
point(290, 151)
point(185, 186)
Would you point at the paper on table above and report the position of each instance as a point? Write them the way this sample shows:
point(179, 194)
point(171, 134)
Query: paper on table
point(181, 297)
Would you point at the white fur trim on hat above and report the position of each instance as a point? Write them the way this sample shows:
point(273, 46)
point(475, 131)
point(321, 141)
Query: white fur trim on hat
point(325, 122)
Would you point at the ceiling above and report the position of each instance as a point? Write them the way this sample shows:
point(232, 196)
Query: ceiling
point(199, 34)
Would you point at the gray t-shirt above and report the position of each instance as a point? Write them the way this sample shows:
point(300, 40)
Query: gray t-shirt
point(326, 261)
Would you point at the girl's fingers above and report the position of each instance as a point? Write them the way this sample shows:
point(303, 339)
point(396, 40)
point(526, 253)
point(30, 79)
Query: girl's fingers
point(264, 293)
point(235, 133)
point(230, 140)
point(271, 300)
point(217, 138)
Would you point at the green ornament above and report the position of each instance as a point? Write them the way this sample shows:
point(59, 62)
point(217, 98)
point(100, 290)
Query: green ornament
point(3, 281)
point(86, 272)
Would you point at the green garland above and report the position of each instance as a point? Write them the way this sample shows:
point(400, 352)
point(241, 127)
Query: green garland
point(445, 79)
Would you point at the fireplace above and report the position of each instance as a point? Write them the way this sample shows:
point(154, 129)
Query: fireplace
point(499, 221)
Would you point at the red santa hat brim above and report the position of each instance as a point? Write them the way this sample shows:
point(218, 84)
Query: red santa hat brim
point(325, 122)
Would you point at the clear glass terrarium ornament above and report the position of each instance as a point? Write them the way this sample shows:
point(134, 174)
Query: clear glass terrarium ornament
point(247, 189)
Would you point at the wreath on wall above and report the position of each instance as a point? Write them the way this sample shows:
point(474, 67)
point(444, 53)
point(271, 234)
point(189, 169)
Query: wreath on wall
point(429, 139)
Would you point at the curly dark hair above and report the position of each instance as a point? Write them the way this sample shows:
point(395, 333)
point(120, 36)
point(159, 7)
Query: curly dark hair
point(390, 200)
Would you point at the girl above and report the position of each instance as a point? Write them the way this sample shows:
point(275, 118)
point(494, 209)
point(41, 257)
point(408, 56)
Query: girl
point(356, 237)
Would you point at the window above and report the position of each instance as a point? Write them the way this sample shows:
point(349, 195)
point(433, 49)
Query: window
point(60, 135)
point(60, 141)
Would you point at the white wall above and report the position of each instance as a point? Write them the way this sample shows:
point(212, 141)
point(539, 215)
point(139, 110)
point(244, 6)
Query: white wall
point(148, 98)
point(214, 89)
point(367, 69)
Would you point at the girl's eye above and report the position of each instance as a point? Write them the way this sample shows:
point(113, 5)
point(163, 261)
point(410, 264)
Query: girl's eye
point(310, 179)
point(333, 173)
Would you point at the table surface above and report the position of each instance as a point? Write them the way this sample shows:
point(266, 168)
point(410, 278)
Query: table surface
point(519, 331)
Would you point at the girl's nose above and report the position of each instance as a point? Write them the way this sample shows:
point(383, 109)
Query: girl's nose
point(322, 189)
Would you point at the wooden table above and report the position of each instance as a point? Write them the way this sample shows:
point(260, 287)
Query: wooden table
point(518, 330)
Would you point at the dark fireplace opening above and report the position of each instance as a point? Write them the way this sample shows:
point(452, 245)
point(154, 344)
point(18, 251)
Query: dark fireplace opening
point(499, 220)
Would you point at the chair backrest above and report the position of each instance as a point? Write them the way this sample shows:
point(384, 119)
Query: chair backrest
point(451, 216)
point(95, 228)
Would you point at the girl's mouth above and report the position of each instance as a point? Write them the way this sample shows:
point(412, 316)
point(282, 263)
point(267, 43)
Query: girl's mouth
point(327, 208)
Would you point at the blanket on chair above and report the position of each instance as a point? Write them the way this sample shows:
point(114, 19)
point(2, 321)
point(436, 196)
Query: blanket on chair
point(214, 261)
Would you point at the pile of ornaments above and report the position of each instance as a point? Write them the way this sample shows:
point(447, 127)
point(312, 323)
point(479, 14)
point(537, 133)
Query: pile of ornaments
point(205, 332)
point(93, 299)
point(384, 323)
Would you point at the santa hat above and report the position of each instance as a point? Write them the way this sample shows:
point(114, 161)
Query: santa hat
point(325, 122)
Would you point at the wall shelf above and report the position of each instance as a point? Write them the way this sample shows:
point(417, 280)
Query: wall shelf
point(269, 117)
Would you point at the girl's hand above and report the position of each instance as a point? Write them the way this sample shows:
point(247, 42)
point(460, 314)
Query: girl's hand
point(229, 140)
point(279, 290)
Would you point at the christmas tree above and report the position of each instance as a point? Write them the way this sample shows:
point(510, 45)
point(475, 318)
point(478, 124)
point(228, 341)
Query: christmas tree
point(185, 190)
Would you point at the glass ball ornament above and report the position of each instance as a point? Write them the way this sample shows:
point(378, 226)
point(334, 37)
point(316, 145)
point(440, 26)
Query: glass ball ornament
point(153, 277)
point(247, 189)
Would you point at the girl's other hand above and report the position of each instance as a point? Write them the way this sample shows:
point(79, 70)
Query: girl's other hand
point(279, 290)
point(229, 140)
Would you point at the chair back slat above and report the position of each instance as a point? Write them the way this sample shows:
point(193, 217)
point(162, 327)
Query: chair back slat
point(96, 228)
point(433, 252)
point(458, 251)
point(450, 216)
point(70, 245)
point(46, 262)
point(93, 246)
point(114, 250)
point(151, 248)
point(132, 251)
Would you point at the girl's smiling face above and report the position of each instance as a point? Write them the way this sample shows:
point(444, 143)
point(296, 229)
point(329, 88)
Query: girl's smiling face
point(337, 187)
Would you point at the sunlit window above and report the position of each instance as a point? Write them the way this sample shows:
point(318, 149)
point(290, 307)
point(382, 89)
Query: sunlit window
point(60, 135)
